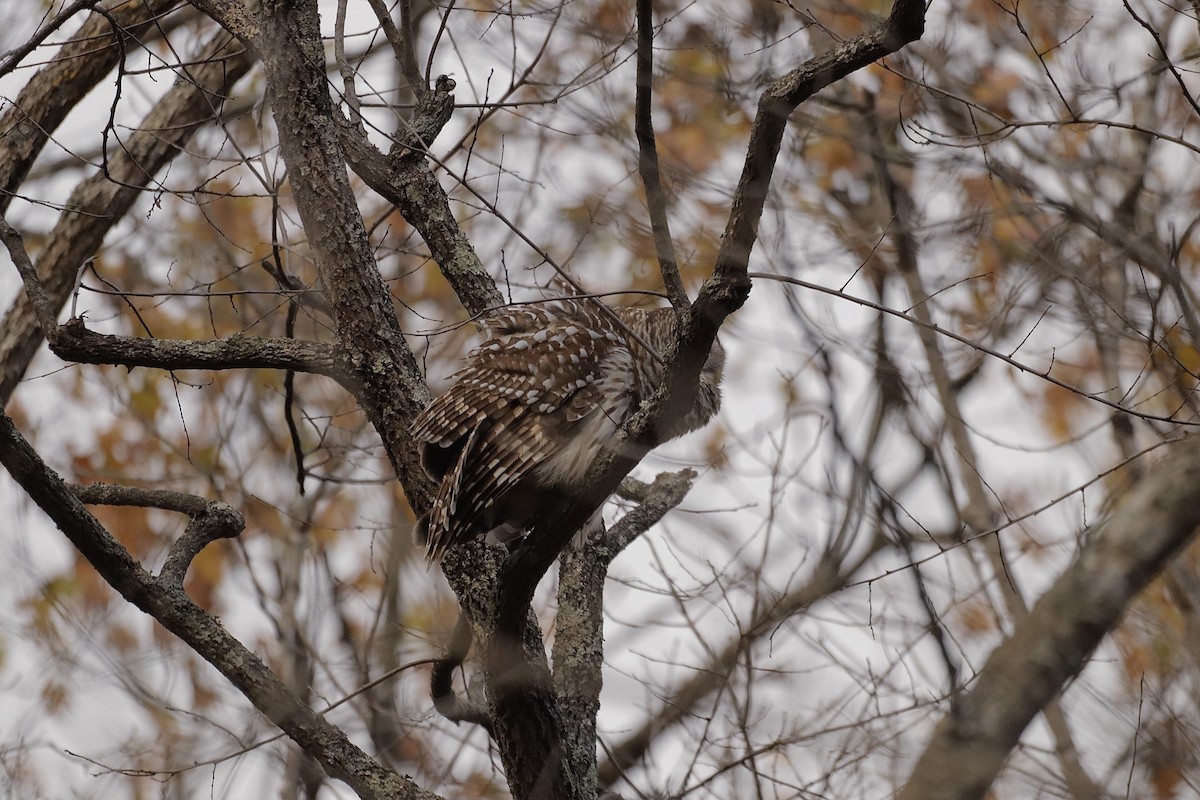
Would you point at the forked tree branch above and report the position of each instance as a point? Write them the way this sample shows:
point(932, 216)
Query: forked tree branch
point(521, 702)
point(209, 520)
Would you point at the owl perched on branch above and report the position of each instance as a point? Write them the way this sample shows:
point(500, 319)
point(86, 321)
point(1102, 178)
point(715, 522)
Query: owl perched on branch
point(536, 404)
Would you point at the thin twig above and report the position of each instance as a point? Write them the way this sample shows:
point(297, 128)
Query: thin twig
point(14, 56)
point(1012, 362)
point(33, 286)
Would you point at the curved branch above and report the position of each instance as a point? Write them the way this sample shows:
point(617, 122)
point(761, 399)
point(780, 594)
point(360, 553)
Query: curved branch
point(904, 24)
point(209, 520)
point(441, 678)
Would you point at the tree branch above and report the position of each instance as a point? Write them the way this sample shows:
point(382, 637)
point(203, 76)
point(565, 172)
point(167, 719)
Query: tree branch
point(209, 520)
point(904, 24)
point(526, 704)
point(76, 68)
point(74, 342)
point(410, 185)
point(1050, 646)
point(42, 310)
point(643, 126)
point(166, 602)
point(579, 624)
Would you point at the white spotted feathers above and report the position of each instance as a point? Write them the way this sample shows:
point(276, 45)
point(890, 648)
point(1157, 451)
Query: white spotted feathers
point(534, 406)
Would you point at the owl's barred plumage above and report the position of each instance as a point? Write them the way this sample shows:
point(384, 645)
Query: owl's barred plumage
point(535, 405)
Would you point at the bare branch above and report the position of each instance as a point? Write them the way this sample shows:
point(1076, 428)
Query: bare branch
point(101, 201)
point(656, 198)
point(210, 520)
point(402, 42)
point(48, 97)
point(339, 55)
point(654, 501)
point(905, 24)
point(14, 56)
point(42, 309)
point(1049, 647)
point(74, 342)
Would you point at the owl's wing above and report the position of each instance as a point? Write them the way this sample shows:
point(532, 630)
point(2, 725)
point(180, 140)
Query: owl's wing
point(504, 408)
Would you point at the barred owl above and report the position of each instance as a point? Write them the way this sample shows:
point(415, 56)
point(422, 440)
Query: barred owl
point(535, 405)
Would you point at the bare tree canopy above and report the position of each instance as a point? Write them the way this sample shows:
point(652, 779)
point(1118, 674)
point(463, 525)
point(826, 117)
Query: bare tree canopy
point(918, 524)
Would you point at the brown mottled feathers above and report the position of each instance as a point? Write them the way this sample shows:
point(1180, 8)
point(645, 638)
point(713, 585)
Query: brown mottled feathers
point(533, 407)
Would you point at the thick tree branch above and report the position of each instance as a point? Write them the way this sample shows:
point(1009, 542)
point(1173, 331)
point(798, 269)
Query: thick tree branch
point(1050, 646)
point(74, 342)
point(165, 601)
point(410, 185)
